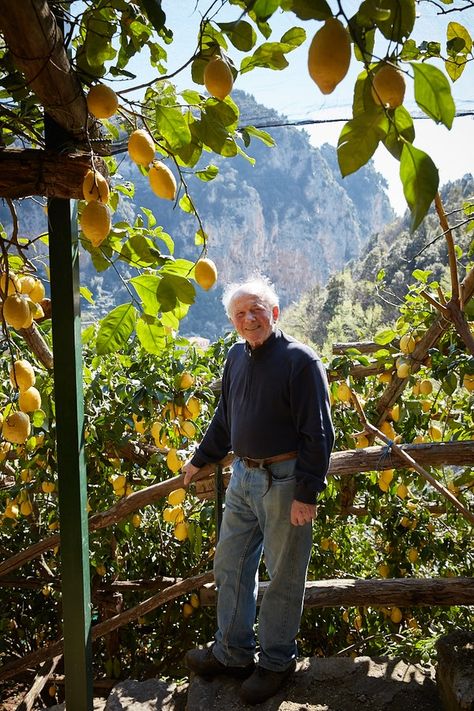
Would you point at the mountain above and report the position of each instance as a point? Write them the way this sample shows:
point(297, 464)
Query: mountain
point(285, 212)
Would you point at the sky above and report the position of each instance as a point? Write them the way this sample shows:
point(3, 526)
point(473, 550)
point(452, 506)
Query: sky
point(292, 92)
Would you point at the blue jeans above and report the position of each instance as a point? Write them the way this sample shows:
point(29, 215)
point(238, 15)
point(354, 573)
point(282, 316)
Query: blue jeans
point(256, 520)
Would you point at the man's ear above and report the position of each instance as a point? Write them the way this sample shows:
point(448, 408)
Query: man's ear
point(275, 313)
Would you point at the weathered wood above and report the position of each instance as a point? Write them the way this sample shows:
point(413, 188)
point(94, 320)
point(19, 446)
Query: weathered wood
point(342, 463)
point(11, 669)
point(34, 338)
point(36, 172)
point(402, 592)
point(39, 683)
point(361, 346)
point(36, 44)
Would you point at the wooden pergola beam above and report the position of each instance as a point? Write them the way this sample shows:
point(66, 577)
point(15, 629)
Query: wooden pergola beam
point(37, 46)
point(25, 172)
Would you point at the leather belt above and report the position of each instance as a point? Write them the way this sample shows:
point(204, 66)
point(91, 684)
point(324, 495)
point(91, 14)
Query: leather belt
point(262, 463)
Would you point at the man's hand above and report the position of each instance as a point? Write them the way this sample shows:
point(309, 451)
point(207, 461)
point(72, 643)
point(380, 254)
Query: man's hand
point(302, 513)
point(189, 470)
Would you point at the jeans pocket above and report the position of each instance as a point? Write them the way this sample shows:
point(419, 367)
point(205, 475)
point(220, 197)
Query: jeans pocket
point(283, 472)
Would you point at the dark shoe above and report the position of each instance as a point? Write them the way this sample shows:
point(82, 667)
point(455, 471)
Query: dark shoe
point(264, 683)
point(204, 663)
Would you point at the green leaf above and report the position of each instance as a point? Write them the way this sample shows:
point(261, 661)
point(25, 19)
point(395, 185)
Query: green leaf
point(146, 286)
point(151, 334)
point(433, 93)
point(400, 131)
point(116, 328)
point(173, 126)
point(186, 204)
point(421, 275)
point(385, 336)
point(420, 180)
point(455, 31)
point(308, 9)
point(86, 294)
point(152, 9)
point(359, 138)
point(264, 9)
point(214, 134)
point(140, 252)
point(272, 54)
point(258, 133)
point(399, 24)
point(173, 288)
point(449, 383)
point(183, 267)
point(241, 34)
point(208, 173)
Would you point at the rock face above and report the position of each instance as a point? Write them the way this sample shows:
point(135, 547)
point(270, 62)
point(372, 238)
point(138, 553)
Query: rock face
point(455, 671)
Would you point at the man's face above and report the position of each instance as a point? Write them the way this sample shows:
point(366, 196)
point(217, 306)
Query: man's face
point(252, 318)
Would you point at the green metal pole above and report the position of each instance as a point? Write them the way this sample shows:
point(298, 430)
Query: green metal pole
point(67, 352)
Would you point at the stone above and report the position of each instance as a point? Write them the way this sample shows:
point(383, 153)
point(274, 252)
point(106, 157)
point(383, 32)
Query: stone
point(455, 670)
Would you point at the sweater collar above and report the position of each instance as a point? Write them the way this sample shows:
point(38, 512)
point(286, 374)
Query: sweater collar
point(265, 347)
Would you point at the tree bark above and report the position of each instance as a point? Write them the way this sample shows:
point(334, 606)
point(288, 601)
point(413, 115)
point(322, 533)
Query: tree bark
point(403, 592)
point(36, 44)
point(37, 172)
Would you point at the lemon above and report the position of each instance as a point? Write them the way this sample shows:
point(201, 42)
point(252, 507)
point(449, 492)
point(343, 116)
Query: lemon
point(16, 428)
point(435, 433)
point(413, 555)
point(16, 311)
point(95, 187)
point(173, 461)
point(388, 87)
point(141, 147)
point(176, 497)
point(13, 284)
point(181, 531)
point(195, 601)
point(387, 475)
point(29, 400)
point(395, 413)
point(26, 283)
point(407, 343)
point(102, 101)
point(136, 520)
point(468, 382)
point(343, 392)
point(218, 78)
point(402, 491)
point(162, 180)
point(161, 440)
point(192, 408)
point(100, 570)
point(186, 381)
point(37, 293)
point(119, 482)
point(96, 222)
point(426, 405)
point(361, 442)
point(25, 508)
point(174, 514)
point(396, 615)
point(426, 387)
point(187, 609)
point(419, 439)
point(403, 370)
point(188, 429)
point(22, 375)
point(387, 428)
point(11, 510)
point(139, 423)
point(385, 378)
point(384, 570)
point(383, 485)
point(205, 273)
point(329, 55)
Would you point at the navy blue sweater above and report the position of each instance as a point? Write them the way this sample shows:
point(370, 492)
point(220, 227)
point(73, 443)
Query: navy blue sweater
point(274, 399)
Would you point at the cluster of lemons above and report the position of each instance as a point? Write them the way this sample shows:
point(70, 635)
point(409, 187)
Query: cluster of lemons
point(95, 220)
point(16, 426)
point(175, 514)
point(22, 297)
point(329, 59)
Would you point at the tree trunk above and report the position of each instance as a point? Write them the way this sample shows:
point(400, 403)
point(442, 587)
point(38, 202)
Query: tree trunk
point(36, 44)
point(37, 172)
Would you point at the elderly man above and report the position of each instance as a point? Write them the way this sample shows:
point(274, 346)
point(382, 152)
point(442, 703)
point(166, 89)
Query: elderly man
point(274, 414)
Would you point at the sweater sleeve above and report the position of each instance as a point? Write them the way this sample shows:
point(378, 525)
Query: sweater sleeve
point(312, 414)
point(216, 441)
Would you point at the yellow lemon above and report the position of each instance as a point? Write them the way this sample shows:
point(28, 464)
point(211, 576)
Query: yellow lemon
point(435, 433)
point(403, 370)
point(176, 497)
point(343, 392)
point(26, 283)
point(329, 55)
point(22, 374)
point(361, 441)
point(188, 429)
point(413, 555)
point(173, 461)
point(383, 485)
point(174, 514)
point(186, 381)
point(387, 475)
point(16, 311)
point(162, 181)
point(205, 273)
point(139, 423)
point(192, 408)
point(119, 482)
point(16, 428)
point(396, 615)
point(426, 387)
point(468, 382)
point(102, 101)
point(37, 294)
point(194, 600)
point(384, 570)
point(187, 609)
point(395, 412)
point(181, 531)
point(387, 428)
point(136, 520)
point(388, 87)
point(95, 187)
point(218, 78)
point(10, 287)
point(402, 491)
point(141, 147)
point(26, 508)
point(29, 400)
point(385, 378)
point(96, 222)
point(407, 343)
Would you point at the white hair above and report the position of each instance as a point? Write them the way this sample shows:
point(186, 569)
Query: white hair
point(257, 285)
